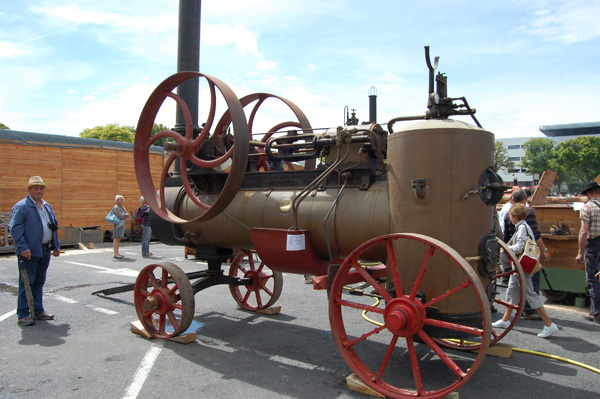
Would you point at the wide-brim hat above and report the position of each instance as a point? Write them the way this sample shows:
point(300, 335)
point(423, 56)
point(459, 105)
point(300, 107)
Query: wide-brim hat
point(589, 186)
point(35, 181)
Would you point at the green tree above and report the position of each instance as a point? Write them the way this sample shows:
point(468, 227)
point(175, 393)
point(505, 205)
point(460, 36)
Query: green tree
point(157, 128)
point(539, 154)
point(110, 131)
point(3, 126)
point(501, 158)
point(580, 158)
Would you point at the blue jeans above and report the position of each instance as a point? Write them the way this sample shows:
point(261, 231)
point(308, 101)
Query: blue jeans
point(36, 271)
point(146, 236)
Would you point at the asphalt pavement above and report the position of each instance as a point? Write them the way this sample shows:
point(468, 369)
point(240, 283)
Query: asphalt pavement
point(89, 350)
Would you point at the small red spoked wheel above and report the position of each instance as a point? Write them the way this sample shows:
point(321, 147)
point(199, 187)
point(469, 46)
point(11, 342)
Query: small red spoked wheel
point(497, 335)
point(186, 147)
point(385, 352)
point(265, 290)
point(164, 300)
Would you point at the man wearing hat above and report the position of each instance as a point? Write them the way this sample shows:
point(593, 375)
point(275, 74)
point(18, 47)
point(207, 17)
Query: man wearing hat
point(33, 228)
point(589, 246)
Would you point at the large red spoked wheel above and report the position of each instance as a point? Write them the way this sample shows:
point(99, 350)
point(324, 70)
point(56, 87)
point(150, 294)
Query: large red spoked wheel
point(301, 123)
point(186, 147)
point(497, 335)
point(164, 300)
point(384, 353)
point(265, 290)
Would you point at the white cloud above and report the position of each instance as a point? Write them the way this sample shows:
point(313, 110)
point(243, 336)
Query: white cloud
point(76, 16)
point(568, 22)
point(8, 49)
point(224, 34)
point(266, 65)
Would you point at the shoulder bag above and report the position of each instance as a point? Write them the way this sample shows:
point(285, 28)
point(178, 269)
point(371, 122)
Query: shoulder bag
point(112, 218)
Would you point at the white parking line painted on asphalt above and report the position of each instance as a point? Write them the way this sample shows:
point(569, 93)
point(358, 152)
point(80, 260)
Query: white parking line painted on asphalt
point(103, 310)
point(118, 272)
point(64, 299)
point(296, 363)
point(143, 370)
point(7, 315)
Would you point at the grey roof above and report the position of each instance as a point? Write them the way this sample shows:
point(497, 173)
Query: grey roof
point(57, 140)
point(571, 129)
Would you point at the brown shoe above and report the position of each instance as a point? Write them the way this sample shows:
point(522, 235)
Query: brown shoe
point(44, 316)
point(26, 321)
point(591, 317)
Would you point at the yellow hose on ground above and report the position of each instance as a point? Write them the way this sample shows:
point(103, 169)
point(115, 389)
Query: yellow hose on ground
point(562, 359)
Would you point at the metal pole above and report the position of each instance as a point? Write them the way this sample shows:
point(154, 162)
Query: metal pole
point(188, 59)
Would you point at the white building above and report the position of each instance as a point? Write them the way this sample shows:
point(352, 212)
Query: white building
point(558, 133)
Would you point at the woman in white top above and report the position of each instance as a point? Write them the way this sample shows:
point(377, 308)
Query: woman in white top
point(518, 213)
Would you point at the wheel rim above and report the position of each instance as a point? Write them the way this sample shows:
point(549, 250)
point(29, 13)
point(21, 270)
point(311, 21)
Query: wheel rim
point(382, 356)
point(497, 335)
point(186, 147)
point(265, 290)
point(164, 300)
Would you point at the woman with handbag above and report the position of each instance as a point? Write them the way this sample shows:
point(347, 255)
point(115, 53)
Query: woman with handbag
point(119, 228)
point(518, 213)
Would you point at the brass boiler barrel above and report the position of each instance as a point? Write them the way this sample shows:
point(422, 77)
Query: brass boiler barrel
point(358, 216)
point(431, 166)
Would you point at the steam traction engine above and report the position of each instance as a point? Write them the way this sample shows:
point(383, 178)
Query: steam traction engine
point(397, 225)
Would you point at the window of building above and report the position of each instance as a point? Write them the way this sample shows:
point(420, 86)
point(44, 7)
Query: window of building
point(514, 147)
point(515, 158)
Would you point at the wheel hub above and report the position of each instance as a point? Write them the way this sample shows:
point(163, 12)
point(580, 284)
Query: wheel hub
point(158, 301)
point(403, 317)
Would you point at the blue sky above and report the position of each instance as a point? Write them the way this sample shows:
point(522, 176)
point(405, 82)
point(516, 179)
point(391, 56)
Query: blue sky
point(66, 65)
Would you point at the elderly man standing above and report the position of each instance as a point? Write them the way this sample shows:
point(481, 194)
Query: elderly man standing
point(33, 227)
point(589, 246)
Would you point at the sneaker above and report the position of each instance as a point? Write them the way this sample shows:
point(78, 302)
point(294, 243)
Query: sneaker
point(531, 316)
point(501, 324)
point(548, 331)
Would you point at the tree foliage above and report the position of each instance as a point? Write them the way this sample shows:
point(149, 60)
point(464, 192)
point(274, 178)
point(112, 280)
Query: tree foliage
point(157, 128)
point(580, 157)
point(110, 131)
point(539, 154)
point(3, 126)
point(501, 158)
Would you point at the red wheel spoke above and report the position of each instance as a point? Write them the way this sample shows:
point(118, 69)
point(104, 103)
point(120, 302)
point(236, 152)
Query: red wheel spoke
point(163, 179)
point(267, 291)
point(209, 120)
point(454, 326)
point(173, 320)
point(393, 267)
point(349, 344)
point(258, 299)
point(422, 271)
point(386, 358)
point(507, 304)
point(246, 296)
point(164, 278)
point(448, 293)
point(442, 355)
point(173, 289)
point(188, 188)
point(360, 306)
point(155, 283)
point(414, 362)
point(369, 279)
point(187, 116)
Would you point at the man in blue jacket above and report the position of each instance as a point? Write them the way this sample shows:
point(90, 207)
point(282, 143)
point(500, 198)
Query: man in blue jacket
point(33, 228)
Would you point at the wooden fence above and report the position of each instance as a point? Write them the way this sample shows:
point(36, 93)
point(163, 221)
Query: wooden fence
point(82, 176)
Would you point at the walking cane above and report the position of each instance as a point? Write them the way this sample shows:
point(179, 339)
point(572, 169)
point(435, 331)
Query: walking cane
point(28, 294)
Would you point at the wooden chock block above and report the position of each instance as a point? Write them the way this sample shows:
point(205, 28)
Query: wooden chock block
point(91, 245)
point(81, 246)
point(137, 328)
point(500, 350)
point(271, 310)
point(357, 385)
point(184, 338)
